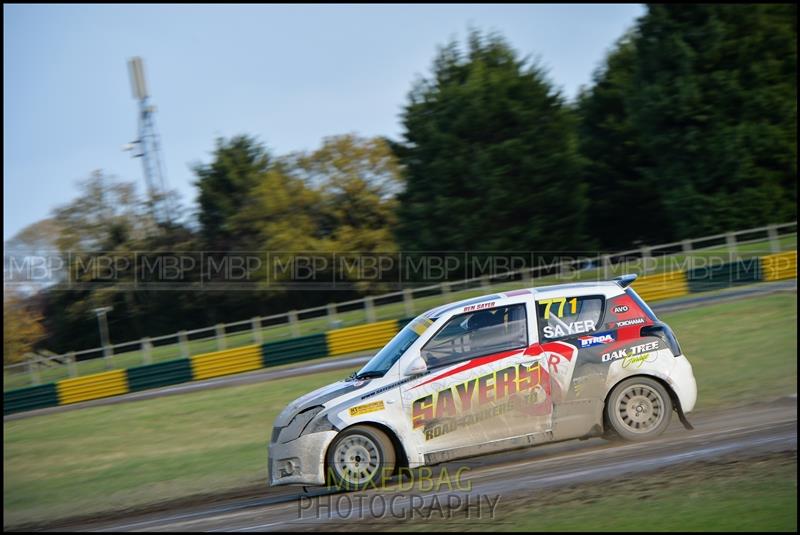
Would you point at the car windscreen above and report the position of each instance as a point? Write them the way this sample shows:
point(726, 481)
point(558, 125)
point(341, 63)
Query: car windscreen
point(386, 357)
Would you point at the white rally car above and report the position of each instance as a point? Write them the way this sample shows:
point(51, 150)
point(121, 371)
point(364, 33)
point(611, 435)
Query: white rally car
point(487, 374)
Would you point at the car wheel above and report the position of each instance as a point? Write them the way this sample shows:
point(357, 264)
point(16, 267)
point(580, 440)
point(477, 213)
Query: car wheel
point(360, 457)
point(638, 408)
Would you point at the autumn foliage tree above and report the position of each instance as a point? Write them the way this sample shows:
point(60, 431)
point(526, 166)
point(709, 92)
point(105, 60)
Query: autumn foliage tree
point(22, 327)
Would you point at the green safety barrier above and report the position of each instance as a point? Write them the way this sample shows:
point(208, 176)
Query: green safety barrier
point(717, 277)
point(294, 350)
point(30, 398)
point(165, 373)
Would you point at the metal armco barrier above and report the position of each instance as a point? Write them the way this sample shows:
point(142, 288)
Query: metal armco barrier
point(27, 399)
point(241, 359)
point(779, 266)
point(352, 339)
point(99, 385)
point(724, 276)
point(662, 286)
point(162, 374)
point(294, 350)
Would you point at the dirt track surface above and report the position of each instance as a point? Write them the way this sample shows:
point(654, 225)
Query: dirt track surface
point(740, 433)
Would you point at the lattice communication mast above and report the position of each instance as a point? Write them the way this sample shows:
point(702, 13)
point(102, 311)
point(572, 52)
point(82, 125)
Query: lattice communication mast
point(148, 147)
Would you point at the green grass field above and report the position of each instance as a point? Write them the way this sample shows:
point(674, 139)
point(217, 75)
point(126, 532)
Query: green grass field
point(382, 312)
point(147, 451)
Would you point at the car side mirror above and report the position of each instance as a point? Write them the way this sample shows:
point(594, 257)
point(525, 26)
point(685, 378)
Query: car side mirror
point(417, 366)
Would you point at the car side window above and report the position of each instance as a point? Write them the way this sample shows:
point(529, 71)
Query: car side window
point(476, 334)
point(562, 317)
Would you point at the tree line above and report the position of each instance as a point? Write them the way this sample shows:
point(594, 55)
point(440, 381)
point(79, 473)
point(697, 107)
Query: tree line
point(689, 127)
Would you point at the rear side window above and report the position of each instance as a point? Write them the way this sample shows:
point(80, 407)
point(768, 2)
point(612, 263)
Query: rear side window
point(479, 333)
point(563, 317)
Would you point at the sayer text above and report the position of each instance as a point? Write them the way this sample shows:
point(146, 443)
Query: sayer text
point(572, 327)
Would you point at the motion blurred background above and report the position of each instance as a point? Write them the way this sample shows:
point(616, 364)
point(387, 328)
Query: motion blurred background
point(686, 127)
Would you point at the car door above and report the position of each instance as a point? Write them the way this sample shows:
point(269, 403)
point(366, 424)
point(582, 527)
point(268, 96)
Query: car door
point(482, 384)
point(572, 333)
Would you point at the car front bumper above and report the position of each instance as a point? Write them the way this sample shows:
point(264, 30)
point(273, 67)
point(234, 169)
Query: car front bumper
point(300, 461)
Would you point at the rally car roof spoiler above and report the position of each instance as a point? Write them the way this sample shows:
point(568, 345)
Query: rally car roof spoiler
point(626, 280)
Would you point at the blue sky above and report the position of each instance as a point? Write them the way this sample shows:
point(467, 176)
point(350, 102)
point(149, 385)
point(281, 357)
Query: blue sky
point(289, 75)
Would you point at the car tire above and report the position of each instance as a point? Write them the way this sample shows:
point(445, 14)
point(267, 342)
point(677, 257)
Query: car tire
point(638, 409)
point(360, 457)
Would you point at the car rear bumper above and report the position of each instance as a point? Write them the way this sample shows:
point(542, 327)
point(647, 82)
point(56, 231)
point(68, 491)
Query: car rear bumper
point(682, 381)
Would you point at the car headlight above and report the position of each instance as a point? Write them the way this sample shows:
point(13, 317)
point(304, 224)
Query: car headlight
point(318, 425)
point(296, 425)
